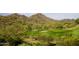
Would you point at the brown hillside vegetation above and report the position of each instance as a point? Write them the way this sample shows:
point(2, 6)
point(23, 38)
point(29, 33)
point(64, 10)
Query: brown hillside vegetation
point(37, 30)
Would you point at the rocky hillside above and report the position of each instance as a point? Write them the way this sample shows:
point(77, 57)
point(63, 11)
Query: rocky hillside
point(38, 29)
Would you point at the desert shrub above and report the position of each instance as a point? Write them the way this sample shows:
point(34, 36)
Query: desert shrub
point(14, 41)
point(51, 44)
point(68, 42)
point(11, 40)
point(77, 21)
point(2, 40)
point(44, 41)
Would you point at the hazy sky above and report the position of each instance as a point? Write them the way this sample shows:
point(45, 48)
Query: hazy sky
point(54, 15)
point(63, 15)
point(60, 15)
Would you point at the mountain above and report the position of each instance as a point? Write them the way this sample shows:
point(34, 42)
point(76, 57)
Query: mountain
point(39, 20)
point(38, 29)
point(13, 24)
point(40, 17)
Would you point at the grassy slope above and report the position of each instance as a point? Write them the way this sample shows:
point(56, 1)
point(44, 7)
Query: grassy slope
point(58, 35)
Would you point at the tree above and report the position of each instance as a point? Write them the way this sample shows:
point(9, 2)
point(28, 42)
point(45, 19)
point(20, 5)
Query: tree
point(77, 21)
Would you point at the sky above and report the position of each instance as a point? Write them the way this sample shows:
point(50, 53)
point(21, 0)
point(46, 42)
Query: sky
point(57, 16)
